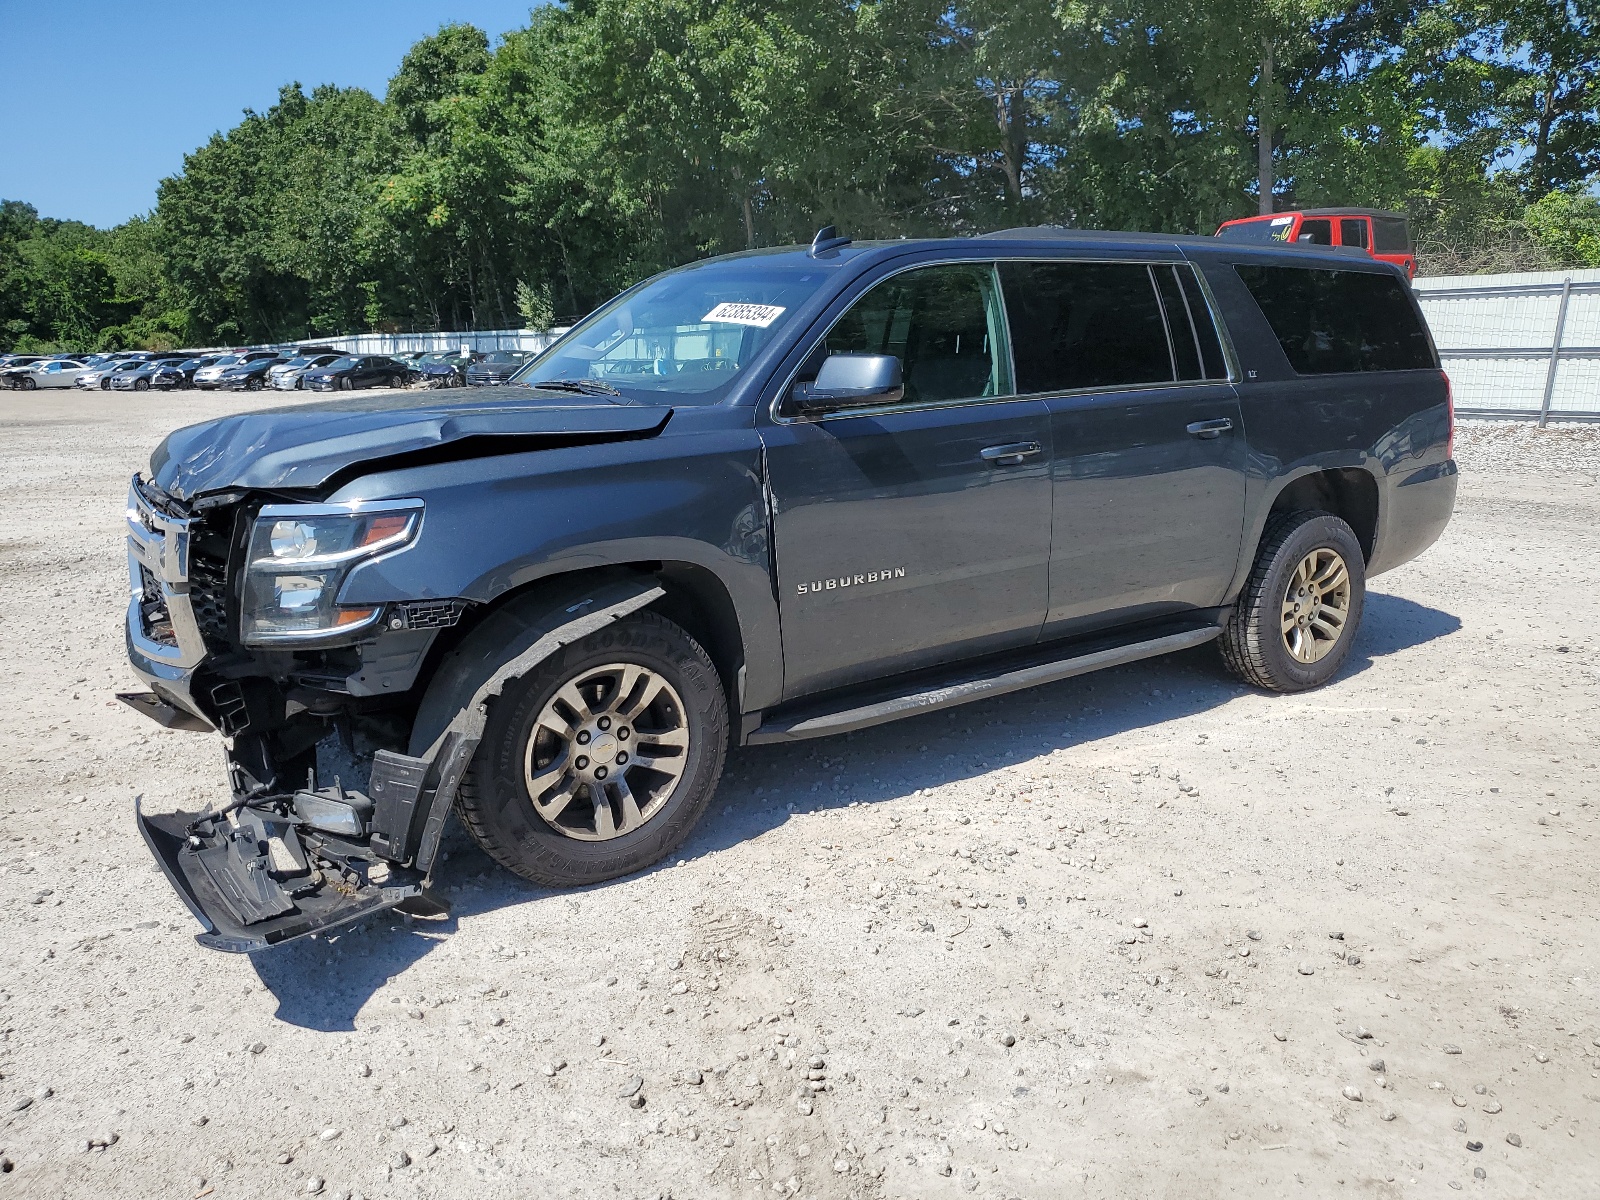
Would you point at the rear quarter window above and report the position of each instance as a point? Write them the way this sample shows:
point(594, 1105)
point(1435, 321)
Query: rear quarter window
point(1334, 322)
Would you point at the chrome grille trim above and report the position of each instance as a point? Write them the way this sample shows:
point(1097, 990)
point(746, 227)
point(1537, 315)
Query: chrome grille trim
point(159, 542)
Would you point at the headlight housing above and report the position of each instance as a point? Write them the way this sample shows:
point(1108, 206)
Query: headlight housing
point(299, 557)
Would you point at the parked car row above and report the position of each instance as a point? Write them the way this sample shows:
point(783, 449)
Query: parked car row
point(311, 368)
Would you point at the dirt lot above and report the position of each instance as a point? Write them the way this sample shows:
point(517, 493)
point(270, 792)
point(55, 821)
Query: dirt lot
point(1142, 934)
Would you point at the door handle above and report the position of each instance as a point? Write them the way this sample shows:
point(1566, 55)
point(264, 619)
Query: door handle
point(1210, 429)
point(1010, 455)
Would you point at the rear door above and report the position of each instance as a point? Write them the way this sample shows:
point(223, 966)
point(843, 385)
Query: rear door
point(916, 533)
point(1149, 452)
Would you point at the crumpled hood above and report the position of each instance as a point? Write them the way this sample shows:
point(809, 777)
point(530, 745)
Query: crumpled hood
point(302, 446)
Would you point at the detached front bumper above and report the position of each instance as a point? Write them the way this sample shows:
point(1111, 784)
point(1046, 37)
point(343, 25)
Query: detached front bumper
point(234, 894)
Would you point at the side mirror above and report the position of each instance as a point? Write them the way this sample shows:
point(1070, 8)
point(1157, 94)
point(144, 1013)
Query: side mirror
point(850, 381)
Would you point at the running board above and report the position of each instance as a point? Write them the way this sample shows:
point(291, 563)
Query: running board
point(812, 724)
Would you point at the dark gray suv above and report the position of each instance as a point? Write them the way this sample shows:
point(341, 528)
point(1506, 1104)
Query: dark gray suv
point(771, 496)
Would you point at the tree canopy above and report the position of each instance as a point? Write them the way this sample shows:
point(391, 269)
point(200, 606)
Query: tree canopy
point(533, 176)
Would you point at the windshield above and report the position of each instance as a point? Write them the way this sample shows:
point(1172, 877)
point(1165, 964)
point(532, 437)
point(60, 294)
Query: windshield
point(684, 337)
point(341, 364)
point(1275, 230)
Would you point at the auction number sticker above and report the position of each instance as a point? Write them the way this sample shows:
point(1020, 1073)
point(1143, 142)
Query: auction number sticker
point(759, 315)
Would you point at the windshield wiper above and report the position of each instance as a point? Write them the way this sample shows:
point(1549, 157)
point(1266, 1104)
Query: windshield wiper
point(584, 387)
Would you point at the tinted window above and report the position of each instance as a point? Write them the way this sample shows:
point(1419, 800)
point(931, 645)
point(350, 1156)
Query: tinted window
point(1353, 231)
point(1334, 321)
point(1084, 325)
point(1185, 355)
point(1390, 236)
point(1212, 361)
point(942, 323)
point(1317, 232)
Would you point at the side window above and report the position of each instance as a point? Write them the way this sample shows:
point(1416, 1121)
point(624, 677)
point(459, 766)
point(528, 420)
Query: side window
point(1390, 236)
point(1353, 231)
point(1335, 321)
point(1084, 325)
point(1318, 231)
point(1185, 354)
point(1212, 360)
point(942, 323)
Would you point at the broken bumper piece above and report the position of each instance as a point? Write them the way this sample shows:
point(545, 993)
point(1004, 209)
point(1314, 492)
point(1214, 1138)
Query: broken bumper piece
point(249, 897)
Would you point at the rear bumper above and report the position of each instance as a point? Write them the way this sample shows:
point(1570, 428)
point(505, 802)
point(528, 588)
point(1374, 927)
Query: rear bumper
point(1416, 510)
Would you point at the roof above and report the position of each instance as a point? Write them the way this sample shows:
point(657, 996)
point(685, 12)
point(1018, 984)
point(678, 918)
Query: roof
point(1323, 212)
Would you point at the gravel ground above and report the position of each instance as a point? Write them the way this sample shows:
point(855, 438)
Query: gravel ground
point(1144, 934)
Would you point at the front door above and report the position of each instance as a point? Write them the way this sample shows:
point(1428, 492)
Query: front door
point(917, 533)
point(1149, 457)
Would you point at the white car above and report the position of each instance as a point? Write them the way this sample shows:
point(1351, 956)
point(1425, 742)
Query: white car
point(56, 373)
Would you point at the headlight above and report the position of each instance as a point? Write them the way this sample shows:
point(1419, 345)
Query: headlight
point(299, 557)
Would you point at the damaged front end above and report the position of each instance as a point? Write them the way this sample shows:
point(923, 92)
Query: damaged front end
point(234, 623)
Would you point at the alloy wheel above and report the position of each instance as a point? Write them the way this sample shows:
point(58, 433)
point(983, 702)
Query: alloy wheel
point(1316, 605)
point(606, 751)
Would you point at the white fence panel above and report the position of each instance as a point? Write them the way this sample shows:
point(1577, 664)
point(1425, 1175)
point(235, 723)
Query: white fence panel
point(434, 343)
point(1524, 345)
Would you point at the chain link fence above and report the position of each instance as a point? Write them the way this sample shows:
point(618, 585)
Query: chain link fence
point(1523, 346)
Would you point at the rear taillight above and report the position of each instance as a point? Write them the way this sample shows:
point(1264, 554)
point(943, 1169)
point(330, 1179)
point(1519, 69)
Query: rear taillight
point(1450, 416)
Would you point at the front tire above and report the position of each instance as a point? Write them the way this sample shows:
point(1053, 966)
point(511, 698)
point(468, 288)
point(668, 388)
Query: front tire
point(600, 761)
point(1296, 620)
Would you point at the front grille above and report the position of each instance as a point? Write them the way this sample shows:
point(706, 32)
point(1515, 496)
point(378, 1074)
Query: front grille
point(208, 596)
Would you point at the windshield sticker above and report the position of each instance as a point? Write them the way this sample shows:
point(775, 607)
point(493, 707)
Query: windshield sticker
point(1282, 220)
point(759, 315)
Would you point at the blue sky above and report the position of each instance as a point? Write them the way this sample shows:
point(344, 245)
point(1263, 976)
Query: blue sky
point(100, 99)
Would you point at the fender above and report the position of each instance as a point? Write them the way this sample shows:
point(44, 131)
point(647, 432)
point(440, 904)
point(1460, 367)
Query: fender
point(414, 793)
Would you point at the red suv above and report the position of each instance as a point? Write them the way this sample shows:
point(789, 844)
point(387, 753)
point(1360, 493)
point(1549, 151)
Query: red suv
point(1384, 235)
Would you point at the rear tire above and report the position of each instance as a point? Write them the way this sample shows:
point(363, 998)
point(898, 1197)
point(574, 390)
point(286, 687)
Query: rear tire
point(1295, 622)
point(530, 796)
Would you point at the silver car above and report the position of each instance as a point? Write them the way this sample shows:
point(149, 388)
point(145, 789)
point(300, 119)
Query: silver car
point(289, 376)
point(99, 375)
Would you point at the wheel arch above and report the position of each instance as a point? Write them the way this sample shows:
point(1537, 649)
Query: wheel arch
point(1349, 493)
point(694, 598)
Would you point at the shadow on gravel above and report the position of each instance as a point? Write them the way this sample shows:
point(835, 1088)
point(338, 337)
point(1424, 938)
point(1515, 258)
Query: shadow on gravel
point(322, 984)
point(1393, 623)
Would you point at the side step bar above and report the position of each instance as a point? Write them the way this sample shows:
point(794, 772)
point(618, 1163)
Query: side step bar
point(812, 723)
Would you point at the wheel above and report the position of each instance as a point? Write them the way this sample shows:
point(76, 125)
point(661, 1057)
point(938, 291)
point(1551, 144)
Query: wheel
point(600, 761)
point(141, 385)
point(29, 383)
point(1296, 620)
point(344, 383)
point(254, 383)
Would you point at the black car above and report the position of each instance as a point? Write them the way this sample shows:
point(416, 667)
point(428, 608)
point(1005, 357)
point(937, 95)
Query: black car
point(356, 372)
point(445, 369)
point(250, 375)
point(762, 498)
point(497, 366)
